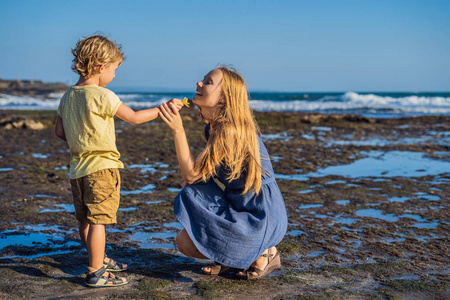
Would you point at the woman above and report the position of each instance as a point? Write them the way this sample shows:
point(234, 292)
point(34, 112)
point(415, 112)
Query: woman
point(239, 226)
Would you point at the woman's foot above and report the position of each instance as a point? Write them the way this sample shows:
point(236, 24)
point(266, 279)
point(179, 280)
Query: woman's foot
point(218, 269)
point(268, 262)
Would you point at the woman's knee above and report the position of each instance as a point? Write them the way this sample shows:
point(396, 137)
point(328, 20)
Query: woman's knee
point(183, 240)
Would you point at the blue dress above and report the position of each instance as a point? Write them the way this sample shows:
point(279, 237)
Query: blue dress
point(229, 227)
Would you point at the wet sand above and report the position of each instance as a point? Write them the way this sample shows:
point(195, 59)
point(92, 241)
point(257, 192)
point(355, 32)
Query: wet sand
point(367, 200)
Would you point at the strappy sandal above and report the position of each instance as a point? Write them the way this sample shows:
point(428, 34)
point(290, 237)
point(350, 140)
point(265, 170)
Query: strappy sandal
point(218, 269)
point(113, 266)
point(274, 263)
point(97, 279)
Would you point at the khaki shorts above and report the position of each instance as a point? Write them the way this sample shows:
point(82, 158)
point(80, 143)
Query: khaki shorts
point(96, 197)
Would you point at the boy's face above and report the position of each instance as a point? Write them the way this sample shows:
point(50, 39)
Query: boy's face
point(107, 73)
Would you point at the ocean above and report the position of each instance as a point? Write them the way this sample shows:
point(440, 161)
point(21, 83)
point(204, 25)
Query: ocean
point(375, 105)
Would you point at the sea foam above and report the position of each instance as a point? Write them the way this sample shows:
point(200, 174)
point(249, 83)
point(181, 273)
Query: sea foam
point(385, 105)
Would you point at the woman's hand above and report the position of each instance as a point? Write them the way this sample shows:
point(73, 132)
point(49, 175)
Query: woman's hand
point(169, 114)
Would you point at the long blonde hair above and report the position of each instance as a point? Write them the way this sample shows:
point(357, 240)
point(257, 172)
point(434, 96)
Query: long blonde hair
point(93, 51)
point(233, 138)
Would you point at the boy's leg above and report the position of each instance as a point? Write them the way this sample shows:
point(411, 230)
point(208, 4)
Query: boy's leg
point(81, 210)
point(83, 229)
point(96, 245)
point(96, 241)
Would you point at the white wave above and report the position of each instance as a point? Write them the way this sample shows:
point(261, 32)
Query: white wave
point(144, 104)
point(51, 102)
point(124, 97)
point(355, 101)
point(28, 102)
point(350, 101)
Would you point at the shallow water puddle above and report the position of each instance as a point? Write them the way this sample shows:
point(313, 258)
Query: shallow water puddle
point(149, 168)
point(343, 202)
point(39, 155)
point(388, 164)
point(147, 236)
point(275, 158)
point(378, 214)
point(176, 225)
point(432, 137)
point(381, 164)
point(306, 206)
point(422, 195)
point(375, 213)
point(6, 169)
point(308, 136)
point(151, 240)
point(295, 232)
point(283, 136)
point(128, 209)
point(33, 236)
point(321, 128)
point(347, 221)
point(305, 191)
point(155, 201)
point(335, 182)
point(399, 199)
point(144, 190)
point(59, 208)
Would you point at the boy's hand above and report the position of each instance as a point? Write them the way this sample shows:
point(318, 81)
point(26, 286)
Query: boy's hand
point(177, 103)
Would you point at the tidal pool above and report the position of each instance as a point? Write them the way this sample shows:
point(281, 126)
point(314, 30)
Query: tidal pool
point(59, 208)
point(387, 164)
point(399, 199)
point(305, 191)
point(375, 213)
point(39, 155)
point(381, 164)
point(33, 236)
point(343, 202)
point(432, 137)
point(152, 240)
point(144, 190)
point(149, 168)
point(283, 136)
point(306, 206)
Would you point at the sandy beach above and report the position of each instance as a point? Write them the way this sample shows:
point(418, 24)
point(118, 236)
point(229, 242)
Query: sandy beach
point(367, 199)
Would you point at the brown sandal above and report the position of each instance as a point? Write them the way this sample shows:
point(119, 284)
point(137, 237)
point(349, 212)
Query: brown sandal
point(218, 269)
point(274, 263)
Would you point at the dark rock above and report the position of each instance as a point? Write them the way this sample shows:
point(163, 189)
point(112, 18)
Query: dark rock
point(20, 122)
point(31, 87)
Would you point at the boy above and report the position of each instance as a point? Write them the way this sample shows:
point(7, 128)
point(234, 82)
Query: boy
point(86, 121)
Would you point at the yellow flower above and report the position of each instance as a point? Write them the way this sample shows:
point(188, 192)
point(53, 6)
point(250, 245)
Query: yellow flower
point(185, 102)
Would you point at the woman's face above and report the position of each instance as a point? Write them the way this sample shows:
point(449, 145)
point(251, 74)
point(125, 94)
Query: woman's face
point(209, 89)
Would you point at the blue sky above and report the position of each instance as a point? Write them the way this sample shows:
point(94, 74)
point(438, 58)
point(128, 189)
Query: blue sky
point(314, 45)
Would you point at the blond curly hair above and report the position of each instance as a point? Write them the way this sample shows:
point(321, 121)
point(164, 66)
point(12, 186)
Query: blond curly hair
point(94, 51)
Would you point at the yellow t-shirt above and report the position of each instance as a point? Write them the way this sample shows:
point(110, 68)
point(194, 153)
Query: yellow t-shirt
point(88, 119)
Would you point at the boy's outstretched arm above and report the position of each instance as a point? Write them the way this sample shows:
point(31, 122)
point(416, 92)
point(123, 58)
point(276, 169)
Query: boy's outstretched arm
point(136, 117)
point(59, 128)
point(141, 116)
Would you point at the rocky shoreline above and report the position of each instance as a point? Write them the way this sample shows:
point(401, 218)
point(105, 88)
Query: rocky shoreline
point(31, 87)
point(367, 204)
